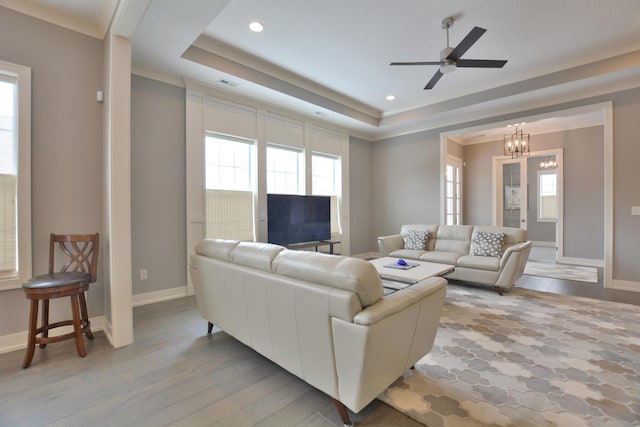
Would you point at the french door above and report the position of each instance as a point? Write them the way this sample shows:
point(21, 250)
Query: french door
point(510, 192)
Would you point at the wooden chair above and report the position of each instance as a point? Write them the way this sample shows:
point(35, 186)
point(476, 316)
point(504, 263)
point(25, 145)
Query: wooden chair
point(72, 280)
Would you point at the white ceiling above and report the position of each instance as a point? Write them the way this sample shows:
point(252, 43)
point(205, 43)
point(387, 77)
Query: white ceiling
point(329, 59)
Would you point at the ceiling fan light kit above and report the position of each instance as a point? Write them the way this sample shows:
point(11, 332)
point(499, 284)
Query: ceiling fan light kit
point(450, 58)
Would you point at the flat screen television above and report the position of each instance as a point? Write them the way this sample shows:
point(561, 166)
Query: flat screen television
point(297, 219)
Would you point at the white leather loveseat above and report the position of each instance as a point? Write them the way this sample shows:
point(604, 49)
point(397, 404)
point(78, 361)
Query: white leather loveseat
point(458, 245)
point(321, 317)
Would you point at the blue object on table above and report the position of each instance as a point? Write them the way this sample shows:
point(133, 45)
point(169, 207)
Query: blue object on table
point(401, 262)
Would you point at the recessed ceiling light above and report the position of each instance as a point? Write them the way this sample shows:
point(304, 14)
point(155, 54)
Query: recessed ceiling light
point(391, 97)
point(256, 26)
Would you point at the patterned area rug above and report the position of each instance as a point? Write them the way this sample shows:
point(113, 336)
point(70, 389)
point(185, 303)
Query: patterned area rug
point(526, 359)
point(562, 271)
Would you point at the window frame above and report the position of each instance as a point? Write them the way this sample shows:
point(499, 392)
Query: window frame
point(540, 174)
point(336, 195)
point(240, 193)
point(453, 199)
point(300, 173)
point(21, 75)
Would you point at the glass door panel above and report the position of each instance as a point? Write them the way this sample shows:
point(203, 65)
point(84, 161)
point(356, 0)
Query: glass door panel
point(511, 193)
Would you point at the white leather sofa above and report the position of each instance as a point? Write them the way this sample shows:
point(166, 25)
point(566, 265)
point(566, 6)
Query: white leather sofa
point(453, 245)
point(322, 317)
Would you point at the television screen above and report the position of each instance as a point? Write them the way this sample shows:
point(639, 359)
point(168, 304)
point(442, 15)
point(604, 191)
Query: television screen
point(297, 219)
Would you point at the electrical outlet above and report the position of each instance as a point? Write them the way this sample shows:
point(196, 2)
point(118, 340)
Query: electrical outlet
point(144, 274)
point(635, 210)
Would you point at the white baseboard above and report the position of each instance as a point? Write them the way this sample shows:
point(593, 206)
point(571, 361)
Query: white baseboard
point(158, 296)
point(18, 340)
point(588, 262)
point(625, 285)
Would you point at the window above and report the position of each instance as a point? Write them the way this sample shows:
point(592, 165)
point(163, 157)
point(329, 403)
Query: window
point(325, 181)
point(15, 173)
point(453, 191)
point(285, 170)
point(229, 188)
point(547, 196)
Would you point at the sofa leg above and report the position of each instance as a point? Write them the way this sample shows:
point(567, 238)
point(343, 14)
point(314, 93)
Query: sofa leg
point(342, 411)
point(413, 367)
point(498, 290)
point(209, 328)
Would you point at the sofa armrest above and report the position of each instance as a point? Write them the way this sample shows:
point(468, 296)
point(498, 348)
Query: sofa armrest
point(514, 250)
point(512, 264)
point(398, 301)
point(387, 244)
point(395, 332)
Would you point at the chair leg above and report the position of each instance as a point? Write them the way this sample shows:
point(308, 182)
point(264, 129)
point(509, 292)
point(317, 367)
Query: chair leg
point(45, 321)
point(85, 316)
point(77, 325)
point(31, 341)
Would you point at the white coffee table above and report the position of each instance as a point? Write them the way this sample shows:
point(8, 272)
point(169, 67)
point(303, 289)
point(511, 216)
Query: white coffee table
point(398, 278)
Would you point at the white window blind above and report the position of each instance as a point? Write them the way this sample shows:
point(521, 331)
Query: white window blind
point(230, 215)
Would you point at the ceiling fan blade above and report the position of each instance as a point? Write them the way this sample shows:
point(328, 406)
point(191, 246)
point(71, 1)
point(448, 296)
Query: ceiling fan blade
point(433, 80)
point(480, 63)
point(466, 43)
point(417, 63)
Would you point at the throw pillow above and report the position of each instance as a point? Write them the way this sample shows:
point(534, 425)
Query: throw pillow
point(416, 239)
point(488, 244)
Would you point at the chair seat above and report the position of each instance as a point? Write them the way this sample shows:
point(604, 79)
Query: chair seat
point(54, 280)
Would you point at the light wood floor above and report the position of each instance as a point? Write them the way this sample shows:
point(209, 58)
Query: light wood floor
point(175, 374)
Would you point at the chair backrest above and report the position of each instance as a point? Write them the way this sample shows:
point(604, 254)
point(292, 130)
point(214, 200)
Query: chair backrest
point(81, 251)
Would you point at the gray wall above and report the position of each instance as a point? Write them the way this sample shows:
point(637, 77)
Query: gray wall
point(158, 195)
point(477, 191)
point(66, 146)
point(360, 180)
point(406, 182)
point(626, 176)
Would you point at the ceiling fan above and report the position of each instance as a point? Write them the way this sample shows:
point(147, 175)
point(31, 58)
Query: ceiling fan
point(450, 57)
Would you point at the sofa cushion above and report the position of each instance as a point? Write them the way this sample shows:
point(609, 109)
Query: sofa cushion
point(255, 254)
point(441, 257)
point(216, 248)
point(453, 238)
point(431, 228)
point(479, 262)
point(487, 244)
point(416, 239)
point(351, 274)
point(406, 253)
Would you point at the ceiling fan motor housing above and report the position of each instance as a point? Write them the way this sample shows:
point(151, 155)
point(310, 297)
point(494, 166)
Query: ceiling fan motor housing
point(446, 65)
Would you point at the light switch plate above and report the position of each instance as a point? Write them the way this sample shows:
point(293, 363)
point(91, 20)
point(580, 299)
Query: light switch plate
point(635, 210)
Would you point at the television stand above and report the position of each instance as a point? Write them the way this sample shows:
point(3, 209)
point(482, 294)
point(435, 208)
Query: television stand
point(314, 244)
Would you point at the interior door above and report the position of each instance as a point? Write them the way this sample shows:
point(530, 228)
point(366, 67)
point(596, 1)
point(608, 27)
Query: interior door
point(510, 193)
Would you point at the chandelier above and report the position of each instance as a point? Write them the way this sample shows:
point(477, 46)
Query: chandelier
point(548, 164)
point(516, 144)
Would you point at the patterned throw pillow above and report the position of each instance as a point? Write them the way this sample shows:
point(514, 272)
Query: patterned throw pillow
point(416, 239)
point(488, 244)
